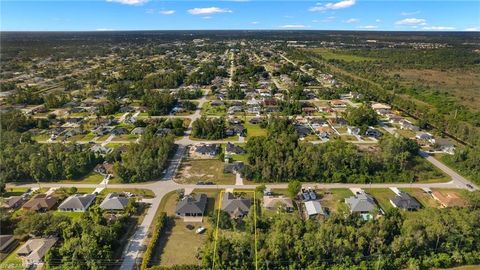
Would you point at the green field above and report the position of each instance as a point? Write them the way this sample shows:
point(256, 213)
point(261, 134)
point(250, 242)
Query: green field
point(334, 199)
point(254, 130)
point(12, 261)
point(145, 193)
point(91, 178)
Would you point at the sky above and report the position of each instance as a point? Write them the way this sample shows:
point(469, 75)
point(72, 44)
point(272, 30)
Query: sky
point(108, 15)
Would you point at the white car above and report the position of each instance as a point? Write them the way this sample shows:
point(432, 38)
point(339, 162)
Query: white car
point(200, 230)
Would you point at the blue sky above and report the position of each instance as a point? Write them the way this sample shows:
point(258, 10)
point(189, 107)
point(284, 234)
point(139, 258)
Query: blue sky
point(68, 15)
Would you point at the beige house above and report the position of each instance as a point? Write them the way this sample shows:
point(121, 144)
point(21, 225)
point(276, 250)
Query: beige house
point(33, 251)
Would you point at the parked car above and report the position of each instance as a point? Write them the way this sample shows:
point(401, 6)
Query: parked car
point(200, 230)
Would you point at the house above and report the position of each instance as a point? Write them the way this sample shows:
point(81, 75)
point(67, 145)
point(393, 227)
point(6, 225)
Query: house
point(324, 132)
point(394, 119)
point(302, 130)
point(234, 149)
point(205, 150)
point(405, 124)
point(119, 131)
point(192, 206)
point(361, 203)
point(138, 131)
point(235, 130)
point(338, 103)
point(235, 207)
point(40, 203)
point(424, 136)
point(314, 209)
point(448, 199)
point(256, 120)
point(7, 242)
point(77, 203)
point(102, 130)
point(12, 202)
point(234, 167)
point(273, 202)
point(337, 121)
point(234, 109)
point(353, 130)
point(114, 201)
point(33, 251)
point(162, 132)
point(404, 201)
point(444, 145)
point(375, 133)
point(379, 106)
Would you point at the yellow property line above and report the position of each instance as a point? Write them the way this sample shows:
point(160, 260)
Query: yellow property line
point(255, 226)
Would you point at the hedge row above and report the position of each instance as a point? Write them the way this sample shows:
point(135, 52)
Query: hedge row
point(158, 226)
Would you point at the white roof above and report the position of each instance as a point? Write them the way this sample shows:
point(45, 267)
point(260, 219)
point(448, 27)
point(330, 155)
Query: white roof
point(314, 208)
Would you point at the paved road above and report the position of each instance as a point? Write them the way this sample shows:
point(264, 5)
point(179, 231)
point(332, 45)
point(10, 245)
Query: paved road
point(166, 185)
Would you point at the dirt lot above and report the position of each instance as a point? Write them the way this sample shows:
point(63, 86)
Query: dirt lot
point(191, 171)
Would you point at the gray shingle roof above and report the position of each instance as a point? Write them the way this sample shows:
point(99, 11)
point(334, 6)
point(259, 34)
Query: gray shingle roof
point(405, 201)
point(236, 207)
point(360, 203)
point(192, 205)
point(78, 202)
point(114, 201)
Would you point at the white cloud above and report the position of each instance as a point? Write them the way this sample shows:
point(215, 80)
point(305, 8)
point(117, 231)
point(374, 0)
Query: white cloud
point(293, 26)
point(167, 12)
point(409, 13)
point(378, 20)
point(351, 20)
point(208, 10)
point(472, 29)
point(254, 22)
point(411, 21)
point(104, 29)
point(330, 6)
point(368, 27)
point(129, 2)
point(206, 17)
point(438, 28)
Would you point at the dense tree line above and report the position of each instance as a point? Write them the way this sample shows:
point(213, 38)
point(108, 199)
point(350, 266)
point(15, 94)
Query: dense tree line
point(55, 99)
point(467, 161)
point(15, 120)
point(145, 160)
point(362, 116)
point(209, 128)
point(164, 80)
point(27, 95)
point(424, 239)
point(206, 73)
point(280, 157)
point(189, 94)
point(159, 102)
point(23, 159)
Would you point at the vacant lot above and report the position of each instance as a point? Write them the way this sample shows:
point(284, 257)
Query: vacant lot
point(383, 196)
point(254, 130)
point(339, 55)
point(333, 199)
point(192, 171)
point(464, 84)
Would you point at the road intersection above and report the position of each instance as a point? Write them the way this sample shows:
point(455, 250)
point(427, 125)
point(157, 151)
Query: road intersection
point(166, 184)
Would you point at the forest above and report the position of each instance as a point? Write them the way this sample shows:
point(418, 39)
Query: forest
point(146, 160)
point(22, 159)
point(423, 239)
point(209, 128)
point(281, 157)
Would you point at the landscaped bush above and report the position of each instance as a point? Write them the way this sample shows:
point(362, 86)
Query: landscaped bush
point(157, 228)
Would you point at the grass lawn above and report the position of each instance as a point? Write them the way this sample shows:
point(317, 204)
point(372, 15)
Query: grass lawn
point(145, 193)
point(41, 137)
point(383, 196)
point(179, 245)
point(406, 133)
point(12, 261)
point(348, 138)
point(193, 170)
point(126, 137)
point(208, 109)
point(72, 215)
point(423, 198)
point(14, 192)
point(254, 130)
point(335, 199)
point(212, 199)
point(88, 137)
point(91, 178)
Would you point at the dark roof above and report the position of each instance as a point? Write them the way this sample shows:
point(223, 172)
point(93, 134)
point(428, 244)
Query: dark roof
point(40, 201)
point(192, 205)
point(232, 148)
point(207, 149)
point(405, 201)
point(362, 202)
point(77, 201)
point(236, 207)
